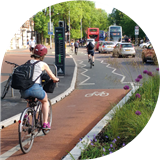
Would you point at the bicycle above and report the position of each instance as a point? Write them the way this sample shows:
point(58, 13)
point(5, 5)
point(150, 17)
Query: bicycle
point(30, 123)
point(91, 62)
point(8, 84)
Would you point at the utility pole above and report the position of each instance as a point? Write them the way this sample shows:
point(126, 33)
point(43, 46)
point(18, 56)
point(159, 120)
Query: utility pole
point(69, 26)
point(81, 24)
point(50, 27)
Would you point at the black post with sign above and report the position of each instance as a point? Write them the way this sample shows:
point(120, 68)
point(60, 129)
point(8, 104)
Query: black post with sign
point(60, 50)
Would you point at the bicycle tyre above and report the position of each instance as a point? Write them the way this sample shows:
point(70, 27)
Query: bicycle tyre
point(6, 87)
point(46, 131)
point(26, 136)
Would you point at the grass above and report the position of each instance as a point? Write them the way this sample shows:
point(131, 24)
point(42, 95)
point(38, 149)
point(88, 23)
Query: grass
point(128, 121)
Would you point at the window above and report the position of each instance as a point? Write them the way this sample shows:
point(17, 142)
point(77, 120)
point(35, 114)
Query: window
point(93, 30)
point(127, 46)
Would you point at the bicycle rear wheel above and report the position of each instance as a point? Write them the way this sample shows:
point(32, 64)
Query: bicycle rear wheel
point(25, 128)
point(6, 87)
point(46, 131)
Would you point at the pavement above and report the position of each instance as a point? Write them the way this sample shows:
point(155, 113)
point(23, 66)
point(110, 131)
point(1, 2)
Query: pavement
point(73, 118)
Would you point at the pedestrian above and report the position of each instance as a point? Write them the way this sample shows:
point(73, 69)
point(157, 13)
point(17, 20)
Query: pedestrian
point(72, 44)
point(76, 45)
point(32, 45)
point(27, 44)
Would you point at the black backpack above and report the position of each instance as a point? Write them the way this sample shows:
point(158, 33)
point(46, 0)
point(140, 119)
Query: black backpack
point(22, 76)
point(90, 46)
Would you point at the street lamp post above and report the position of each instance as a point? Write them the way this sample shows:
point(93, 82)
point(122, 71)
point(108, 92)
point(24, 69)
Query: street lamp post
point(50, 27)
point(69, 26)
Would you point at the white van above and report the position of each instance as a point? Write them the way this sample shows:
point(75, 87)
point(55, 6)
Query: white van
point(90, 40)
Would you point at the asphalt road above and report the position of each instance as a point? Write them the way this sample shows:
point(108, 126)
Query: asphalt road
point(110, 72)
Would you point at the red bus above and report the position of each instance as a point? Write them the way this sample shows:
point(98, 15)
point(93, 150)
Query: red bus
point(93, 33)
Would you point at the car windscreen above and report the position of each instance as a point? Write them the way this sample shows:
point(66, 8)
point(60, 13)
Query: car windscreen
point(127, 46)
point(108, 43)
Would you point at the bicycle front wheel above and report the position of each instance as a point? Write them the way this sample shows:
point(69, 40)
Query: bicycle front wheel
point(46, 131)
point(26, 130)
point(6, 87)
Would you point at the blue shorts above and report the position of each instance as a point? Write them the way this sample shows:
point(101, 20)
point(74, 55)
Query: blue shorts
point(35, 91)
point(91, 52)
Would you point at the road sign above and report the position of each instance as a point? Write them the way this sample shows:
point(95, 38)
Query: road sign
point(136, 30)
point(50, 30)
point(60, 50)
point(50, 33)
point(136, 33)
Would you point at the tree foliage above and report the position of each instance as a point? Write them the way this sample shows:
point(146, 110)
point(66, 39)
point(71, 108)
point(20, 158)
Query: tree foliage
point(128, 25)
point(86, 11)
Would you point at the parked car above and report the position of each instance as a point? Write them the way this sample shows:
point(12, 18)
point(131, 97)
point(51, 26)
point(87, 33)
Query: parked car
point(97, 45)
point(106, 46)
point(124, 50)
point(149, 54)
point(90, 40)
point(144, 45)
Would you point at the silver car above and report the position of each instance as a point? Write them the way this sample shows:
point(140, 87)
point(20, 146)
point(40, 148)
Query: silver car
point(106, 46)
point(124, 50)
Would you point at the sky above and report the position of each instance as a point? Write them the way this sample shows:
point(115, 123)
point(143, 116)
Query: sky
point(104, 6)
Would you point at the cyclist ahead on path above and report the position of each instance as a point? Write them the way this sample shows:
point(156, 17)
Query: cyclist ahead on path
point(76, 45)
point(36, 90)
point(90, 50)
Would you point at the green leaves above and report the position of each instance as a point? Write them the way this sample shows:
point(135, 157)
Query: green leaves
point(128, 25)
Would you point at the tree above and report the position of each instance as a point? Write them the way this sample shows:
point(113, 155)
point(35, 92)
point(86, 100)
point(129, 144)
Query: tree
point(41, 25)
point(128, 25)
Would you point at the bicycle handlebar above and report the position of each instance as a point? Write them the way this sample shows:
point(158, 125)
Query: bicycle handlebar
point(16, 65)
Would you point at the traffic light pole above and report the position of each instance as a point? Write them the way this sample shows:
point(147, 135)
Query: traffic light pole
point(50, 28)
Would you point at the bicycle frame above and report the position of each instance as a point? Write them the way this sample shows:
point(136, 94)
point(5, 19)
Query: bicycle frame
point(34, 112)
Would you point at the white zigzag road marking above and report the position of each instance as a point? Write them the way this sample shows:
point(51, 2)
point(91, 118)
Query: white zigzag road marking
point(133, 84)
point(85, 70)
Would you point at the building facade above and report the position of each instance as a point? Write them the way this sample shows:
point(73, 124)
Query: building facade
point(24, 34)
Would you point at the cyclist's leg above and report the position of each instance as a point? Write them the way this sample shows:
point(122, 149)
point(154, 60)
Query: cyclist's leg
point(45, 106)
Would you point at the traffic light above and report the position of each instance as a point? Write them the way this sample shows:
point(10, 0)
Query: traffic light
point(61, 24)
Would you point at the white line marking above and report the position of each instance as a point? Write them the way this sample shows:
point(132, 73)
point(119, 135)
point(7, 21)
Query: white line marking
point(7, 154)
point(85, 70)
point(114, 69)
point(101, 94)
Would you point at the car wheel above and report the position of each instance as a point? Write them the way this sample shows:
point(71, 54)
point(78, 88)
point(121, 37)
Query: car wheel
point(133, 56)
point(119, 56)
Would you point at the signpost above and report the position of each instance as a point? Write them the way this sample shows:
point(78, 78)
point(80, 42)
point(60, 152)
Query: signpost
point(60, 50)
point(136, 34)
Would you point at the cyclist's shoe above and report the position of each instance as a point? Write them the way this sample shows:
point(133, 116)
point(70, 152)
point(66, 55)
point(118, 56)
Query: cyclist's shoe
point(92, 63)
point(46, 126)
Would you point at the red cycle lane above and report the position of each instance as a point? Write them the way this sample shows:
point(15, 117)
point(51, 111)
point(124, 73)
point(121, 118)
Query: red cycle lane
point(73, 118)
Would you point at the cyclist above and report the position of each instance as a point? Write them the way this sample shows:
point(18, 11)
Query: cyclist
point(36, 90)
point(90, 50)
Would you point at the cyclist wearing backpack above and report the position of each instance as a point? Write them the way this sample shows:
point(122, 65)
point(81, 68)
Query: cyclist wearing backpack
point(90, 50)
point(36, 89)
